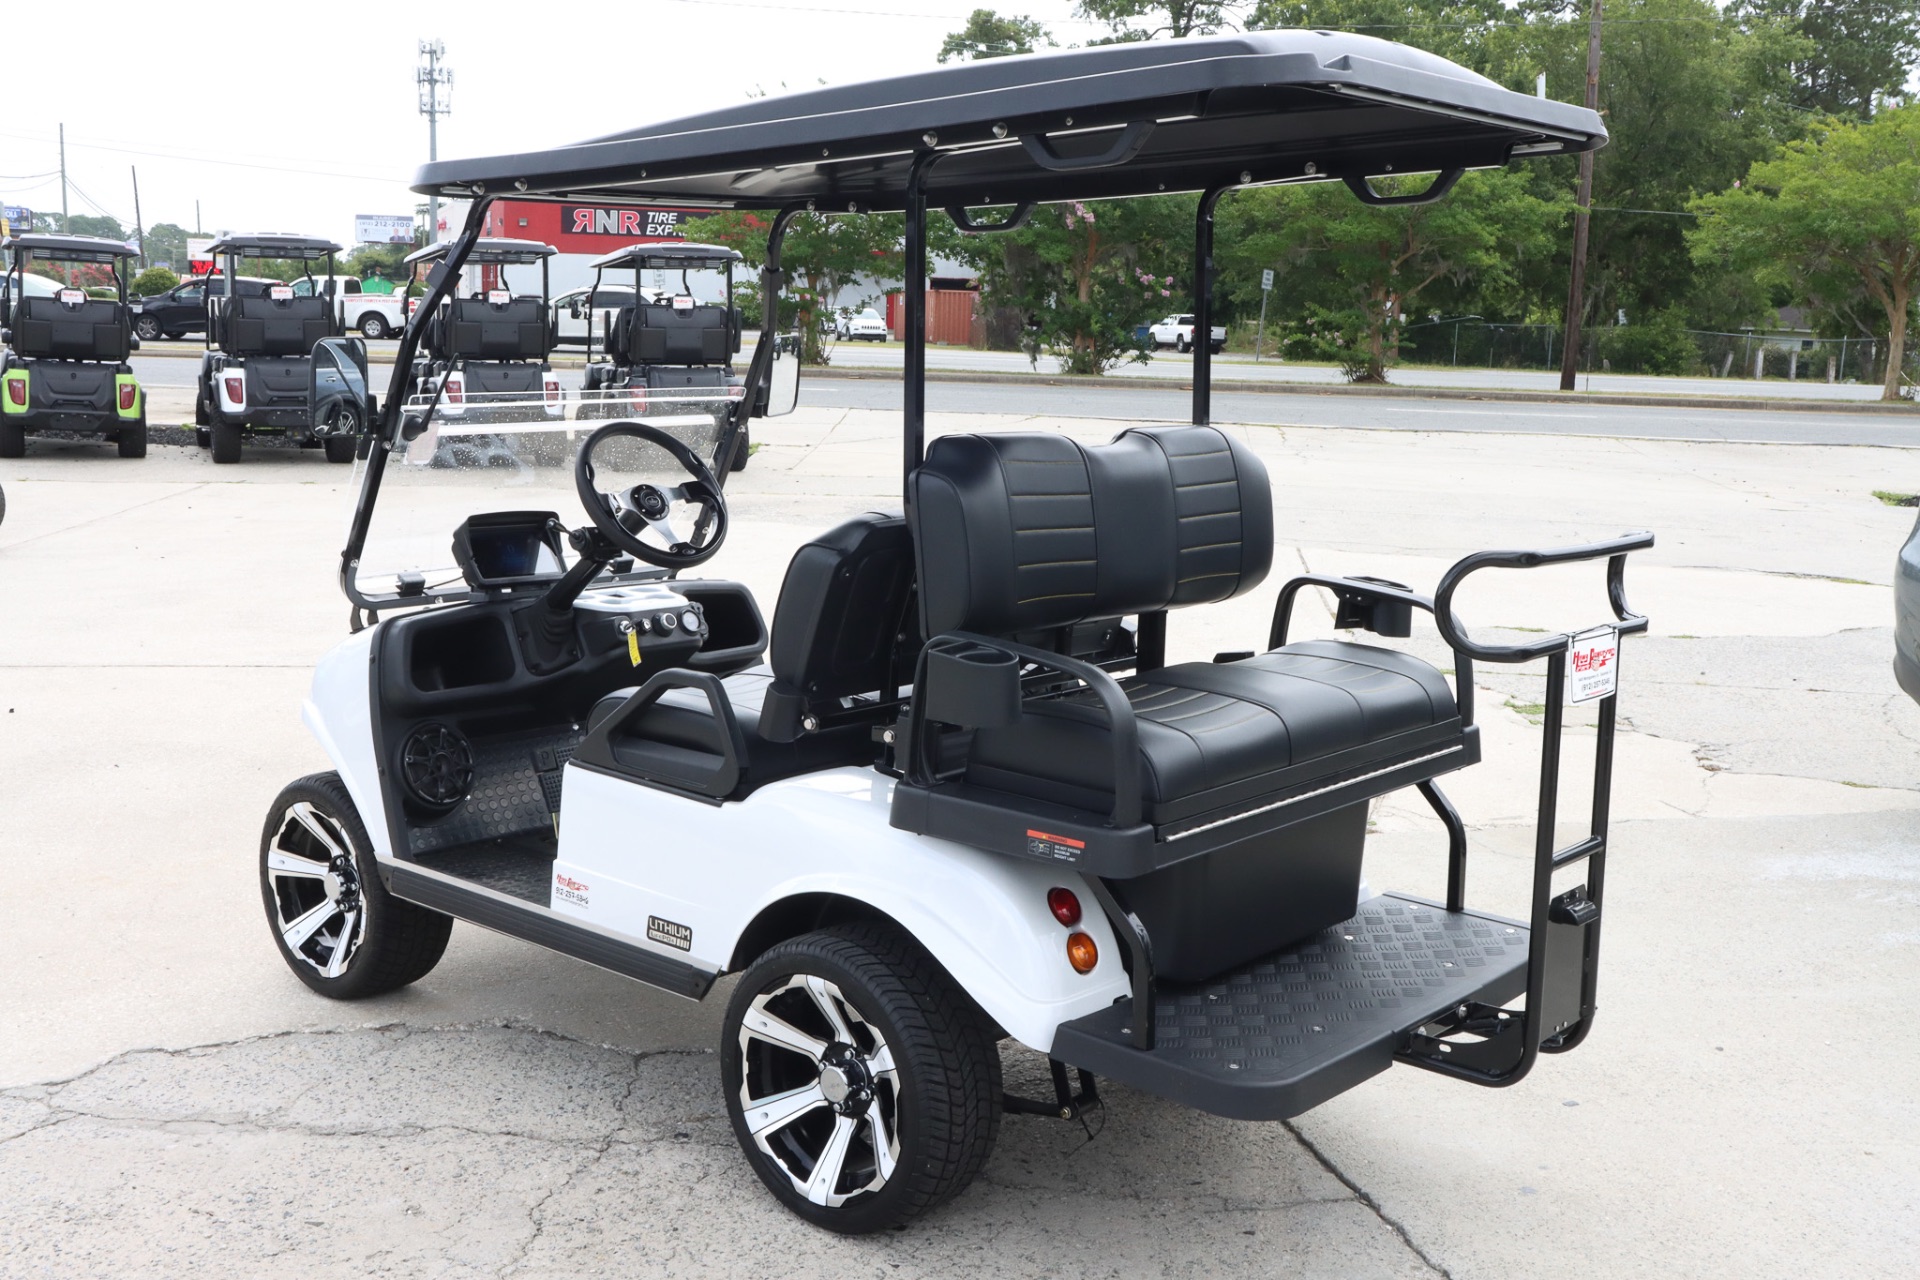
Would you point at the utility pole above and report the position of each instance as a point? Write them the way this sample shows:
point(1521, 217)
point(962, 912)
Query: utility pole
point(1582, 214)
point(66, 227)
point(433, 78)
point(139, 227)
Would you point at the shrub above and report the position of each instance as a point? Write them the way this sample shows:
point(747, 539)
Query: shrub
point(1659, 344)
point(151, 281)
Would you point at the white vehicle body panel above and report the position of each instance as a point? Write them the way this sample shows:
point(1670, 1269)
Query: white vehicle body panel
point(339, 712)
point(221, 377)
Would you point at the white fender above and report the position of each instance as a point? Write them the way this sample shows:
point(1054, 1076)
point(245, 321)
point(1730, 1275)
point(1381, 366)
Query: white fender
point(632, 856)
point(338, 712)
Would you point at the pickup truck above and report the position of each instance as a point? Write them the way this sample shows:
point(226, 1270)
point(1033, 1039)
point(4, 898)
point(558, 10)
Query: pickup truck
point(1177, 332)
point(375, 315)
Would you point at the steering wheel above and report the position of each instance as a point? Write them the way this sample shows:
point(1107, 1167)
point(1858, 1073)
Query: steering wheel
point(624, 515)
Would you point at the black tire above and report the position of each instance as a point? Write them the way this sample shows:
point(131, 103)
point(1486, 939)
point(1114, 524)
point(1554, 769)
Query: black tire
point(389, 943)
point(202, 438)
point(174, 335)
point(742, 450)
point(225, 439)
point(1180, 345)
point(941, 1107)
point(373, 326)
point(146, 328)
point(201, 415)
point(13, 440)
point(339, 448)
point(133, 441)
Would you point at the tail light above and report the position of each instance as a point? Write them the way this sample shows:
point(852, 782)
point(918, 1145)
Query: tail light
point(237, 390)
point(553, 390)
point(1081, 953)
point(736, 392)
point(1064, 905)
point(127, 392)
point(639, 397)
point(456, 390)
point(17, 390)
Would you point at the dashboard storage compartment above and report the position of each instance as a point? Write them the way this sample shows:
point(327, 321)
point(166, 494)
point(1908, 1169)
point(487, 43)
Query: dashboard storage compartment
point(466, 650)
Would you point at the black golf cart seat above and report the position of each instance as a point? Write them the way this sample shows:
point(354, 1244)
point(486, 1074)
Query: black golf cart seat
point(482, 329)
point(263, 325)
point(49, 329)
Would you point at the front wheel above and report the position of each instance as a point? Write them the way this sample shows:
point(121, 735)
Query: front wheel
point(861, 1082)
point(742, 450)
point(336, 926)
point(373, 326)
point(133, 441)
point(225, 439)
point(13, 440)
point(146, 328)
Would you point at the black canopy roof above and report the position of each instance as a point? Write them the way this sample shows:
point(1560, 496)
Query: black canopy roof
point(488, 249)
point(1114, 120)
point(668, 255)
point(273, 244)
point(69, 248)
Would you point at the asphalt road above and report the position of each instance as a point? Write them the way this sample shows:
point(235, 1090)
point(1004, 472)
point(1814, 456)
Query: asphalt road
point(1307, 408)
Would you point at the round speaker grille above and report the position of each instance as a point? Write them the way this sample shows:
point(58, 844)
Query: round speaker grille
point(436, 764)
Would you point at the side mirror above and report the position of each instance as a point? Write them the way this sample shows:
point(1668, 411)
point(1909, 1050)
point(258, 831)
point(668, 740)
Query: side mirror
point(336, 380)
point(783, 377)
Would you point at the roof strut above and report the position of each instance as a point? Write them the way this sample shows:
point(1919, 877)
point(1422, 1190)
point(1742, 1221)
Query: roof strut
point(914, 408)
point(1202, 340)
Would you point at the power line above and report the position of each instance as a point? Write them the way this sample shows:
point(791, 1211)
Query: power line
point(232, 164)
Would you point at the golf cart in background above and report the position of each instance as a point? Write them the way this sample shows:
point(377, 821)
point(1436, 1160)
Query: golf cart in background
point(183, 309)
point(957, 791)
point(255, 373)
point(487, 352)
point(669, 353)
point(65, 367)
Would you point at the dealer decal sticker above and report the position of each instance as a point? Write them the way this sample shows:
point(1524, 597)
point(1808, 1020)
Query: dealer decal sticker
point(669, 933)
point(1593, 665)
point(568, 890)
point(1044, 844)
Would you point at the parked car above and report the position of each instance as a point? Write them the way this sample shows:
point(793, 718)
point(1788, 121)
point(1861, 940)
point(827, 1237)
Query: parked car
point(569, 313)
point(864, 326)
point(1177, 332)
point(375, 315)
point(183, 308)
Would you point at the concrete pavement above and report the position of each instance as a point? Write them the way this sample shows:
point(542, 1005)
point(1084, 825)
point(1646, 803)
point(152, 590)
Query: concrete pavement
point(171, 1099)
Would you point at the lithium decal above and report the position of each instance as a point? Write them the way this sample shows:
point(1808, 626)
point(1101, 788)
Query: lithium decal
point(567, 889)
point(1593, 665)
point(1044, 844)
point(669, 933)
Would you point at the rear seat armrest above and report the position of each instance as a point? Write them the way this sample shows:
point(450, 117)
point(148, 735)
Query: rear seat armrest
point(1124, 730)
point(1384, 608)
point(1614, 551)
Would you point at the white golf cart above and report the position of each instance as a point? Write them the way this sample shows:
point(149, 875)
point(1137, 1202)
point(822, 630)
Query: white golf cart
point(956, 793)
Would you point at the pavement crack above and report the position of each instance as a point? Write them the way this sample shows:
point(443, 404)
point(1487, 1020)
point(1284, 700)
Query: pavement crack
point(1361, 1194)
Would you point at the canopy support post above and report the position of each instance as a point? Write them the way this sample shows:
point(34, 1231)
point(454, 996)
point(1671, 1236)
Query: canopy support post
point(1203, 305)
point(914, 319)
point(760, 368)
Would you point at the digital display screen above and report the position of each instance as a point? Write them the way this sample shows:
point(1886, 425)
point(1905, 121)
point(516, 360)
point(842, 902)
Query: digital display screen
point(510, 551)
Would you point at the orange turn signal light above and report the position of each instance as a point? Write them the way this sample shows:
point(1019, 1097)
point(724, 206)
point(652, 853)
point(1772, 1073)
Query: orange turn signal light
point(1081, 953)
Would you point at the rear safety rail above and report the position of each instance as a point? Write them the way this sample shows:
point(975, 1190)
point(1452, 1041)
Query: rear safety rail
point(1495, 1046)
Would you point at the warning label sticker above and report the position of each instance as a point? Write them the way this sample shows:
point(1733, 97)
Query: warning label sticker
point(1044, 844)
point(1593, 665)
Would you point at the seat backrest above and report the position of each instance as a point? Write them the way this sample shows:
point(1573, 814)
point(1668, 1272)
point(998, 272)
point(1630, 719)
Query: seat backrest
point(659, 333)
point(1023, 531)
point(837, 630)
point(49, 329)
point(670, 377)
point(513, 329)
point(262, 325)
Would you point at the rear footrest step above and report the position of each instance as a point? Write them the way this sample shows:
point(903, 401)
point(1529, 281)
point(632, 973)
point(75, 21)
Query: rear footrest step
point(1283, 1034)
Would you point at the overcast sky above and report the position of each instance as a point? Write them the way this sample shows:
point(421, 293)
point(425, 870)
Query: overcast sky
point(215, 102)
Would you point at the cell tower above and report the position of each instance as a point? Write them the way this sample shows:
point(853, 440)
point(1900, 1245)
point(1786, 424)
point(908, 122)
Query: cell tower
point(436, 100)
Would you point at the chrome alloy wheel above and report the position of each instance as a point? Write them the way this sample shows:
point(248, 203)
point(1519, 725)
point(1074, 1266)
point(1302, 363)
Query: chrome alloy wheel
point(819, 1090)
point(316, 890)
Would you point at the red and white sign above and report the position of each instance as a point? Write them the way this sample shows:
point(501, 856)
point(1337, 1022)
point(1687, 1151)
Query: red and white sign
point(280, 292)
point(73, 297)
point(499, 297)
point(1593, 665)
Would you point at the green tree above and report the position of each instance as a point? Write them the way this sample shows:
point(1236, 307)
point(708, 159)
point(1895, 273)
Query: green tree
point(1355, 271)
point(1832, 213)
point(167, 245)
point(1087, 274)
point(151, 281)
point(1173, 18)
point(388, 261)
point(1856, 50)
point(822, 254)
point(989, 35)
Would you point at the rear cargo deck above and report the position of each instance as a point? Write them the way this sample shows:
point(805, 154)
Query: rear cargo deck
point(1280, 1036)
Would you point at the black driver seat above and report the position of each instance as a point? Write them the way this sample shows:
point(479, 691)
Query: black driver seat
point(845, 605)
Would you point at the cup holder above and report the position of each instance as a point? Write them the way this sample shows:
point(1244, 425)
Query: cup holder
point(972, 684)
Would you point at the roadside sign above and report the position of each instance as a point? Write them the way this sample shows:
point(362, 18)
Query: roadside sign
point(1266, 280)
point(383, 228)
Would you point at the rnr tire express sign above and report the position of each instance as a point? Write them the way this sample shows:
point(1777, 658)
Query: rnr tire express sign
point(623, 224)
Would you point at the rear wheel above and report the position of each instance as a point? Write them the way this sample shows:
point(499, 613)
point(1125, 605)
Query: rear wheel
point(174, 335)
point(133, 440)
point(146, 328)
point(373, 326)
point(861, 1083)
point(1180, 345)
point(202, 437)
point(336, 926)
point(225, 439)
point(742, 450)
point(13, 440)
